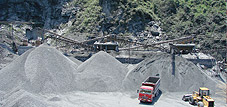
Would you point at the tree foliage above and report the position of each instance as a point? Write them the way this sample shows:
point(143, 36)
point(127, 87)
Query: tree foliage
point(204, 18)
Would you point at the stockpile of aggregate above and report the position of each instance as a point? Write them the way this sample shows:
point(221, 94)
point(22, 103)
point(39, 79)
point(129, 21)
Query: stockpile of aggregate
point(14, 75)
point(21, 98)
point(101, 73)
point(39, 70)
point(177, 74)
point(6, 55)
point(78, 62)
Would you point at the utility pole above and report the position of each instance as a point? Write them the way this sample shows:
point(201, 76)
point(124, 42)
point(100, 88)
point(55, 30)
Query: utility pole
point(56, 41)
point(12, 31)
point(226, 63)
point(129, 52)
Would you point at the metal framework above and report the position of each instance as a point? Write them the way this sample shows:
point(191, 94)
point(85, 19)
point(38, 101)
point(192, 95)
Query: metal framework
point(110, 37)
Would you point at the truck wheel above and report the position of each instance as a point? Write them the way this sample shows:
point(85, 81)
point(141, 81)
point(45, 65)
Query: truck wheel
point(191, 101)
point(200, 104)
point(196, 103)
point(157, 93)
point(183, 98)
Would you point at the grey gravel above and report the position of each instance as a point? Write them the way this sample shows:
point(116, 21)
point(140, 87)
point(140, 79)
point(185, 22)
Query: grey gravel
point(44, 77)
point(102, 73)
point(40, 70)
point(186, 78)
point(21, 98)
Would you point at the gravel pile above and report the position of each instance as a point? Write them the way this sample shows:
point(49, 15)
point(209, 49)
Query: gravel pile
point(46, 71)
point(101, 73)
point(22, 98)
point(177, 74)
point(14, 75)
point(78, 62)
point(6, 55)
point(40, 70)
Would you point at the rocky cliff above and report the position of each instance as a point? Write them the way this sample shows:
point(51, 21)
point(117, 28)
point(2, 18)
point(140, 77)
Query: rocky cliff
point(49, 13)
point(167, 19)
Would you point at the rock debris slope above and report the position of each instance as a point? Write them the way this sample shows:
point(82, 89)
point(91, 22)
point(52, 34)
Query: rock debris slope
point(101, 73)
point(177, 74)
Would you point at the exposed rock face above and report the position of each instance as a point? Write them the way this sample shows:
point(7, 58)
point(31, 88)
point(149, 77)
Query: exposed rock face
point(52, 13)
point(3, 1)
point(48, 12)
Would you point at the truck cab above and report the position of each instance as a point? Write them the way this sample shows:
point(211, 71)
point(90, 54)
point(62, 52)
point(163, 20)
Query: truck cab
point(145, 94)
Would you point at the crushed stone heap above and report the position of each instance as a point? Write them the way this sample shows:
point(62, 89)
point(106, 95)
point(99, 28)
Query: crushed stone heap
point(101, 73)
point(78, 62)
point(186, 75)
point(39, 70)
point(21, 98)
point(6, 55)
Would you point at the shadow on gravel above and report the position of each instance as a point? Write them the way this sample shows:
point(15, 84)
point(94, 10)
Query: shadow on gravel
point(154, 100)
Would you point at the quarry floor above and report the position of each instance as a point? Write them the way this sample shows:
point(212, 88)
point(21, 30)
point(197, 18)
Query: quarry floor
point(119, 99)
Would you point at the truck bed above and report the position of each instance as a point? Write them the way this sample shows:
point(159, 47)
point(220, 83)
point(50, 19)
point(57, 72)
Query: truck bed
point(153, 82)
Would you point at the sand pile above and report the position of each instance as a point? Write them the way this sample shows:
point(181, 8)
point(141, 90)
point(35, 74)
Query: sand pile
point(101, 72)
point(177, 74)
point(40, 70)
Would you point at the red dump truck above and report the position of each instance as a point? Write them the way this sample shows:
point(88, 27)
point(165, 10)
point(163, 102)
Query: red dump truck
point(149, 89)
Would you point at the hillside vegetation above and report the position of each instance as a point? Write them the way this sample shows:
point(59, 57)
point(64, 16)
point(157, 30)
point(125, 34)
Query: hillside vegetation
point(177, 18)
point(203, 18)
